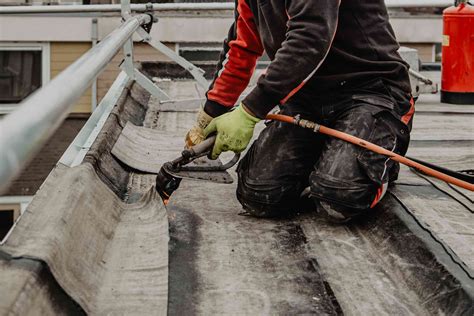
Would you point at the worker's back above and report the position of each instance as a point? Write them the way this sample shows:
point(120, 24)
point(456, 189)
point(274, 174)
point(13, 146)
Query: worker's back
point(364, 46)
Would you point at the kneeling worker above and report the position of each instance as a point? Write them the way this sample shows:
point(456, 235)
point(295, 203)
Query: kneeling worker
point(332, 61)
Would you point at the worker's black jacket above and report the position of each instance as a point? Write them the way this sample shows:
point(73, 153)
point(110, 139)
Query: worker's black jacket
point(317, 48)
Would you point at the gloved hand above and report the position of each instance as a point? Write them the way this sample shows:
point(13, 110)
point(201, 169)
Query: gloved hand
point(234, 131)
point(196, 133)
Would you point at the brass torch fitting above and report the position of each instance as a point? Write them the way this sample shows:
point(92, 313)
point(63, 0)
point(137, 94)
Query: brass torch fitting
point(307, 124)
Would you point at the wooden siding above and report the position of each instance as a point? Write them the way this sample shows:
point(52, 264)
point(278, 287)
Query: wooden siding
point(64, 54)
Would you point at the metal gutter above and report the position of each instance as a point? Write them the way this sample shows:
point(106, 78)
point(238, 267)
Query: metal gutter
point(27, 129)
point(184, 7)
point(78, 149)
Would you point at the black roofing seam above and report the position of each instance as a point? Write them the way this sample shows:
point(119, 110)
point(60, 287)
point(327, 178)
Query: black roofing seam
point(329, 291)
point(439, 249)
point(434, 185)
point(298, 236)
point(455, 174)
point(460, 192)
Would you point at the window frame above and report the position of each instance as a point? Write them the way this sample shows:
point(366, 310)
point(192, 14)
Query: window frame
point(45, 49)
point(21, 202)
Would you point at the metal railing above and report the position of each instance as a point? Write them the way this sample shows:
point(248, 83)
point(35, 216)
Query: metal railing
point(24, 132)
point(184, 6)
point(117, 8)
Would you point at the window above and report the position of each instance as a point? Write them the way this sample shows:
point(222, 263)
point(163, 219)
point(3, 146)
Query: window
point(8, 215)
point(11, 207)
point(24, 68)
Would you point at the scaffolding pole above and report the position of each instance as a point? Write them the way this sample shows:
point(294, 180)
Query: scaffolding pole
point(24, 132)
point(183, 7)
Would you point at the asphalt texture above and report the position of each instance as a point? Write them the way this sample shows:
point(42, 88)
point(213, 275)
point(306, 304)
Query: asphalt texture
point(222, 262)
point(410, 256)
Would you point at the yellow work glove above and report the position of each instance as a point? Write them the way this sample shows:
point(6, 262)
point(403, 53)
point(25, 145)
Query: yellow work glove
point(196, 133)
point(234, 131)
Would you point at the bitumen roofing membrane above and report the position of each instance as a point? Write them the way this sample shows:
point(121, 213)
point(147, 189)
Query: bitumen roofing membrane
point(96, 238)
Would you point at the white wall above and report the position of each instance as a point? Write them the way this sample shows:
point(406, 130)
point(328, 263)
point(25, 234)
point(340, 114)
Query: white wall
point(418, 30)
point(179, 28)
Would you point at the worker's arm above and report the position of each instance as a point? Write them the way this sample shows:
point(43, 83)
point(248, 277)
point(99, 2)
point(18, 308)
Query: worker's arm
point(237, 62)
point(312, 26)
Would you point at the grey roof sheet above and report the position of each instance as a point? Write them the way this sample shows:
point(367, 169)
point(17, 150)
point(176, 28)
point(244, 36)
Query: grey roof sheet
point(109, 256)
point(108, 233)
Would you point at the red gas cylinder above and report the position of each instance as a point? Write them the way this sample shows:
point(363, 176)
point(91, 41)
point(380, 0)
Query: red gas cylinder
point(457, 79)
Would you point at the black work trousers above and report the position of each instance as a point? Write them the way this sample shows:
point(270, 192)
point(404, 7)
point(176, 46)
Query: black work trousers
point(285, 159)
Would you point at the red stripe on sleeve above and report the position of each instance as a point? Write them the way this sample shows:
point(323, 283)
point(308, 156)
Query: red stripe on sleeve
point(241, 59)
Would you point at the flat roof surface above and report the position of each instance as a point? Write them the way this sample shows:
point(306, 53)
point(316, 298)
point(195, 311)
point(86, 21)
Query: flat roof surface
point(411, 255)
point(444, 135)
point(221, 261)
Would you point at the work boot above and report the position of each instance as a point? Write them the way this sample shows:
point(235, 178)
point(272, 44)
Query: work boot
point(338, 214)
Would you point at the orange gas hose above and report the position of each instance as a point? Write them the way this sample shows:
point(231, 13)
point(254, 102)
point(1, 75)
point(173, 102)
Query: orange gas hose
point(372, 147)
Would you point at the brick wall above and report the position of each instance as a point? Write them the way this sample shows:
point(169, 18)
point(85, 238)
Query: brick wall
point(36, 172)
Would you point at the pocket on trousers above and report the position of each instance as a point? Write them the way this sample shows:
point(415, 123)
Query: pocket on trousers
point(379, 101)
point(267, 193)
point(349, 194)
point(390, 133)
point(264, 191)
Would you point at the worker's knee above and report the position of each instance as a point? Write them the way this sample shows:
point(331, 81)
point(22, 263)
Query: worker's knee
point(352, 193)
point(270, 199)
point(266, 188)
point(336, 213)
point(354, 177)
point(345, 198)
